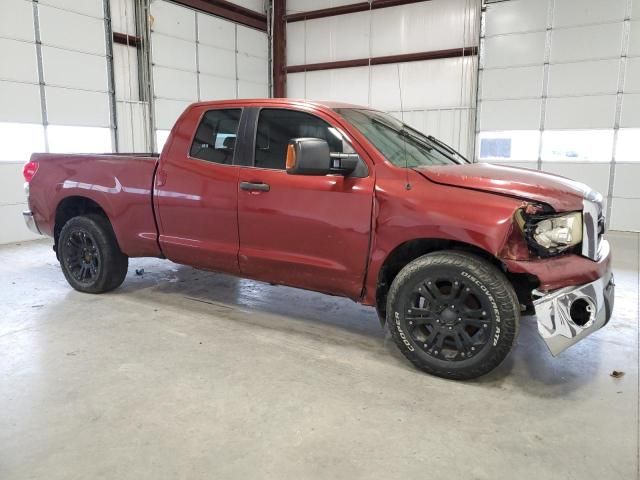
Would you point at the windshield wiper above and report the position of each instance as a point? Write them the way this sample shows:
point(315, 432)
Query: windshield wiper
point(446, 147)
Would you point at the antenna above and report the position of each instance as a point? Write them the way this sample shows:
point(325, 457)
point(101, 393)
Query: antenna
point(404, 138)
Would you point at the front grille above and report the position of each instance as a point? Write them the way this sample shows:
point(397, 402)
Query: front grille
point(593, 226)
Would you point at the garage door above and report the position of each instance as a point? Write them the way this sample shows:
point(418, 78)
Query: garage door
point(560, 92)
point(197, 57)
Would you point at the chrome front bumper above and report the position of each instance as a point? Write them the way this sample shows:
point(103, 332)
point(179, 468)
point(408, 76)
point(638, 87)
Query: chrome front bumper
point(590, 305)
point(30, 221)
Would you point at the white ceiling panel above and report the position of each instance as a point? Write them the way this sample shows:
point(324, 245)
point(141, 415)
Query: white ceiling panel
point(630, 110)
point(624, 214)
point(297, 6)
point(77, 107)
point(505, 83)
point(252, 69)
point(125, 72)
point(18, 61)
point(57, 63)
point(632, 76)
point(175, 84)
point(514, 50)
point(217, 61)
point(20, 102)
point(255, 5)
point(634, 39)
point(132, 134)
point(344, 84)
point(216, 32)
point(595, 111)
point(296, 47)
point(419, 27)
point(510, 114)
point(93, 8)
point(167, 112)
point(173, 20)
point(595, 175)
point(217, 88)
point(295, 85)
point(516, 16)
point(61, 28)
point(626, 180)
point(326, 38)
point(173, 52)
point(252, 89)
point(581, 12)
point(252, 41)
point(16, 20)
point(123, 17)
point(425, 85)
point(586, 43)
point(583, 78)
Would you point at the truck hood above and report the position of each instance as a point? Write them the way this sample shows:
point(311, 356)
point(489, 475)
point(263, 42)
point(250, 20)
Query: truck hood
point(560, 193)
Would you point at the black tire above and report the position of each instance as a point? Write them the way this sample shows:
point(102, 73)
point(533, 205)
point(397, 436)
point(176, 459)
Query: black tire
point(89, 255)
point(453, 314)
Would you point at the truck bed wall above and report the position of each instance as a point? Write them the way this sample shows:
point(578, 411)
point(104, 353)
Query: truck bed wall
point(121, 185)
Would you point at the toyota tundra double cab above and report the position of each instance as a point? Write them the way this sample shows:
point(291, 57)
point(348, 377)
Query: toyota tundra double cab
point(347, 201)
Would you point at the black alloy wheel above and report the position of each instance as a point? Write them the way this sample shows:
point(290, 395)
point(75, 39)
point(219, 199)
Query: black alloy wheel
point(453, 314)
point(81, 256)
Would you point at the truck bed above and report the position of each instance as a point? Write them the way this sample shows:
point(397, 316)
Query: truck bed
point(122, 184)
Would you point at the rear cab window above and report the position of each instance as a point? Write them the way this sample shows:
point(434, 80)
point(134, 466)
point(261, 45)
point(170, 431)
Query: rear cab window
point(215, 138)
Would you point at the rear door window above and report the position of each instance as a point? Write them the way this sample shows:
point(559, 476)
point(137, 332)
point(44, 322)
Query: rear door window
point(215, 139)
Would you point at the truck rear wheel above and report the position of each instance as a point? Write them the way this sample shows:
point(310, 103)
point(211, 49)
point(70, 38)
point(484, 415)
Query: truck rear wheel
point(453, 314)
point(89, 255)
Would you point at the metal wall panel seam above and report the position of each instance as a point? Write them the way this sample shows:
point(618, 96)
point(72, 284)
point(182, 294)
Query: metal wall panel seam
point(108, 34)
point(43, 97)
point(622, 68)
point(545, 76)
point(197, 58)
point(47, 4)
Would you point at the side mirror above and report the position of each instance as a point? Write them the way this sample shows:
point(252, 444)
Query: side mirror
point(311, 156)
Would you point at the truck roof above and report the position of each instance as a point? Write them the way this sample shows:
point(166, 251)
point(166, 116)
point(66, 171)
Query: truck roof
point(254, 102)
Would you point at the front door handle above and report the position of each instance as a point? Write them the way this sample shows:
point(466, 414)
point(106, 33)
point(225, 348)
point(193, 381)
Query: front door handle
point(252, 187)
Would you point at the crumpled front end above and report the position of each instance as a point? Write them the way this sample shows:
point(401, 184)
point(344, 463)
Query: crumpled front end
point(567, 315)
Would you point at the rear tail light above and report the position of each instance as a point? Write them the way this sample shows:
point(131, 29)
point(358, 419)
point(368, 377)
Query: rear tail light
point(29, 170)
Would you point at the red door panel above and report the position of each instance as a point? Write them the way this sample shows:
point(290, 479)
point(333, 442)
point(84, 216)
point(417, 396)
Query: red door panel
point(196, 199)
point(306, 231)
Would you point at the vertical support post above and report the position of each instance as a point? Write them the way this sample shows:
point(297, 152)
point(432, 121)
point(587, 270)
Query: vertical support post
point(108, 32)
point(279, 48)
point(43, 97)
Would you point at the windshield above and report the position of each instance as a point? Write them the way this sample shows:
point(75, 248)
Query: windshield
point(399, 143)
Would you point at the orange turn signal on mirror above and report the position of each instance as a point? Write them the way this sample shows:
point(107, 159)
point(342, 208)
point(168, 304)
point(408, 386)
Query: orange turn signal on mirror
point(291, 156)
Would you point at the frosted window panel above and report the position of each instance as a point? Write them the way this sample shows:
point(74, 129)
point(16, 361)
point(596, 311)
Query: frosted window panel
point(161, 139)
point(628, 148)
point(65, 139)
point(577, 145)
point(19, 141)
point(517, 145)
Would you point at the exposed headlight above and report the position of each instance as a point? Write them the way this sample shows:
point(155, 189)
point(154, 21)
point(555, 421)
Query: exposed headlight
point(551, 234)
point(558, 232)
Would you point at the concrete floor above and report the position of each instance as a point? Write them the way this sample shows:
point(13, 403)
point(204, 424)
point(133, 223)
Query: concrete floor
point(186, 374)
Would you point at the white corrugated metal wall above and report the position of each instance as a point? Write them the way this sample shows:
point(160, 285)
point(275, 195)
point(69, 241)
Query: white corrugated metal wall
point(438, 96)
point(560, 91)
point(197, 56)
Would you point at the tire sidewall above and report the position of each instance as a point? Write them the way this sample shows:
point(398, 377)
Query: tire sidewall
point(107, 252)
point(504, 314)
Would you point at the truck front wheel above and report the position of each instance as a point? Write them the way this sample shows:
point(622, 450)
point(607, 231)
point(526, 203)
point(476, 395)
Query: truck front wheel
point(89, 255)
point(453, 314)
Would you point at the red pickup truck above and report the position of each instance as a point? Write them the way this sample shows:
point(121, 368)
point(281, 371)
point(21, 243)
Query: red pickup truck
point(348, 201)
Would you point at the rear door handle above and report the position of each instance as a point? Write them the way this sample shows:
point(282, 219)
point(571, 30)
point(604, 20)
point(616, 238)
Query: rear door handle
point(250, 186)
